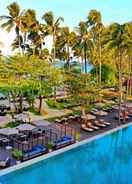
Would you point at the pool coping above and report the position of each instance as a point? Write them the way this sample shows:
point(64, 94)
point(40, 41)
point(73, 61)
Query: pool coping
point(60, 151)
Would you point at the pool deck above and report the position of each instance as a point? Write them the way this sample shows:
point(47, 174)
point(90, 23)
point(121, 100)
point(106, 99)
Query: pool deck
point(60, 151)
point(109, 118)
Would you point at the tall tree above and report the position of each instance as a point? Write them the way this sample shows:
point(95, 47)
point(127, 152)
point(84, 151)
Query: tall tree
point(65, 41)
point(85, 43)
point(13, 20)
point(52, 27)
point(95, 25)
point(116, 38)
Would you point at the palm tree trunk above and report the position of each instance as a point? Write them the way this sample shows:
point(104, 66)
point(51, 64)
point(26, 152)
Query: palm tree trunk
point(85, 58)
point(100, 66)
point(54, 49)
point(120, 84)
point(19, 41)
point(14, 101)
point(130, 89)
point(40, 103)
point(21, 103)
point(128, 86)
point(68, 57)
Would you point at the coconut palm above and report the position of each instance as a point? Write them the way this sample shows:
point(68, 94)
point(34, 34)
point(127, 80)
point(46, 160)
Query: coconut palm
point(13, 20)
point(84, 40)
point(117, 38)
point(29, 25)
point(52, 27)
point(65, 41)
point(128, 28)
point(95, 25)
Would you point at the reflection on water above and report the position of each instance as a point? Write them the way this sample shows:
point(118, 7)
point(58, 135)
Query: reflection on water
point(105, 161)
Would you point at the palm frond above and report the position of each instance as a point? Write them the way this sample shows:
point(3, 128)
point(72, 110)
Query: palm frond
point(8, 25)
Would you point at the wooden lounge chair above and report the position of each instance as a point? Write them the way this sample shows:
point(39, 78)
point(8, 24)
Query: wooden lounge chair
point(90, 125)
point(58, 121)
point(5, 163)
point(104, 122)
point(85, 128)
point(97, 123)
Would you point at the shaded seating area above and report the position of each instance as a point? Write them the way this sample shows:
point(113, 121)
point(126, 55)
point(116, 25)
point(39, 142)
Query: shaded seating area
point(36, 150)
point(32, 140)
point(6, 136)
point(64, 141)
point(25, 127)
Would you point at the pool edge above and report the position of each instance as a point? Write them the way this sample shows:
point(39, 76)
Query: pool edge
point(57, 152)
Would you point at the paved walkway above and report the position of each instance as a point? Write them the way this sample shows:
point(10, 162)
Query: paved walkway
point(48, 112)
point(4, 120)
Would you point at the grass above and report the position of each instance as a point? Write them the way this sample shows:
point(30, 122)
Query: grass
point(34, 111)
point(61, 104)
point(54, 104)
point(13, 124)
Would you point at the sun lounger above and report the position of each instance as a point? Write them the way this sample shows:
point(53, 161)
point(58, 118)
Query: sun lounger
point(5, 163)
point(58, 121)
point(71, 117)
point(85, 128)
point(90, 125)
point(104, 122)
point(97, 123)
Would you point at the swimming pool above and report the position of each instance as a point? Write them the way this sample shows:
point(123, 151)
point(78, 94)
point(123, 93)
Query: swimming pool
point(107, 160)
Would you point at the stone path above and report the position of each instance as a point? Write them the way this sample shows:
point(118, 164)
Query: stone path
point(4, 120)
point(48, 112)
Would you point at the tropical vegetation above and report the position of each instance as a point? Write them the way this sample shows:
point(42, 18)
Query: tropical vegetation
point(33, 71)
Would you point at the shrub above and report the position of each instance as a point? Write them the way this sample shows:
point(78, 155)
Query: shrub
point(50, 145)
point(78, 137)
point(17, 154)
point(54, 104)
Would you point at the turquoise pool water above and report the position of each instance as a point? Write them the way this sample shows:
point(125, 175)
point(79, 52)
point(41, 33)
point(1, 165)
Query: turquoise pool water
point(107, 160)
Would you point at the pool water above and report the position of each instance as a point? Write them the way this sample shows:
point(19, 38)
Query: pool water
point(107, 160)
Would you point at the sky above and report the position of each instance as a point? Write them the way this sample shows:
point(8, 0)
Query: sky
point(73, 11)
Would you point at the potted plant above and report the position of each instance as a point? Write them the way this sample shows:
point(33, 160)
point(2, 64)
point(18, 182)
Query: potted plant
point(17, 154)
point(50, 146)
point(78, 137)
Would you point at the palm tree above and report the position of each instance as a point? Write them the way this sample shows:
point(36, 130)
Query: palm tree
point(29, 26)
point(65, 41)
point(13, 20)
point(116, 38)
point(95, 25)
point(84, 41)
point(52, 27)
point(128, 28)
